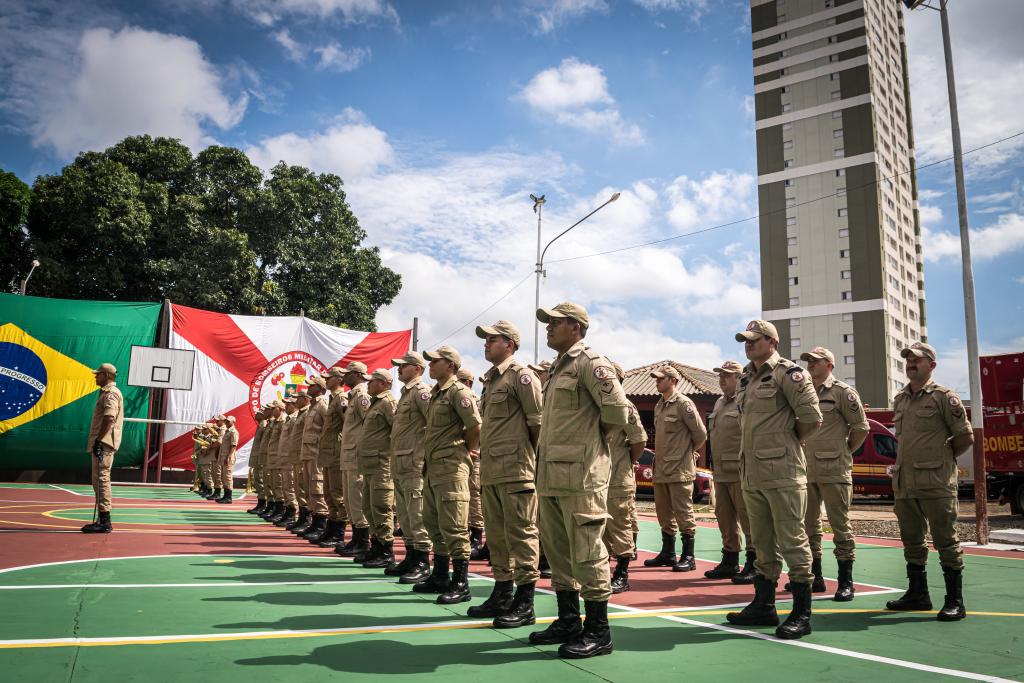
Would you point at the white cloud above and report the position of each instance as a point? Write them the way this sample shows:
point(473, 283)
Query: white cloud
point(576, 95)
point(295, 50)
point(747, 105)
point(718, 197)
point(694, 8)
point(336, 58)
point(548, 15)
point(351, 148)
point(928, 195)
point(1005, 236)
point(129, 82)
point(270, 12)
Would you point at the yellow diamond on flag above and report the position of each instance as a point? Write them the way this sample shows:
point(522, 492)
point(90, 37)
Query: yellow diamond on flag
point(36, 379)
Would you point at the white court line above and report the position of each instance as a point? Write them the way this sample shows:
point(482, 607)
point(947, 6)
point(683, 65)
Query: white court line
point(164, 557)
point(73, 493)
point(232, 584)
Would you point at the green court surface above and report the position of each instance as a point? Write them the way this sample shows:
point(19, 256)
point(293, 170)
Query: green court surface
point(163, 516)
point(302, 617)
point(125, 492)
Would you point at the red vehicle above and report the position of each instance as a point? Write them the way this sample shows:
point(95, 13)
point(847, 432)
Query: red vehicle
point(871, 462)
point(644, 470)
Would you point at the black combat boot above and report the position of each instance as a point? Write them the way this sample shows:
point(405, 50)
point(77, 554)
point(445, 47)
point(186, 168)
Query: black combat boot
point(359, 543)
point(953, 606)
point(273, 507)
point(438, 580)
point(521, 613)
point(633, 557)
point(286, 518)
point(310, 522)
point(727, 568)
point(498, 603)
point(101, 526)
point(543, 567)
point(620, 577)
point(760, 612)
point(315, 533)
point(385, 556)
point(747, 572)
point(316, 523)
point(686, 562)
point(916, 598)
point(458, 589)
point(596, 638)
point(567, 627)
point(216, 493)
point(667, 556)
point(818, 581)
point(333, 539)
point(258, 508)
point(476, 541)
point(399, 568)
point(798, 623)
point(365, 545)
point(280, 513)
point(419, 568)
point(299, 520)
point(845, 591)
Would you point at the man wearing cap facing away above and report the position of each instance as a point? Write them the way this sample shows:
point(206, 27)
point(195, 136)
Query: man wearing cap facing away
point(104, 440)
point(829, 454)
point(374, 451)
point(477, 546)
point(329, 460)
point(407, 434)
point(583, 402)
point(275, 423)
point(779, 410)
point(678, 433)
point(730, 509)
point(511, 412)
point(453, 430)
point(313, 474)
point(351, 432)
point(226, 458)
point(932, 430)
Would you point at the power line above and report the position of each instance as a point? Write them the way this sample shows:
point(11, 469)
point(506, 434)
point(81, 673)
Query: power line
point(477, 316)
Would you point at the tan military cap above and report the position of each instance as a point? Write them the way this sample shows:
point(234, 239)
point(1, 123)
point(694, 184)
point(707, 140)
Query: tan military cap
point(336, 371)
point(411, 358)
point(465, 375)
point(503, 328)
point(356, 366)
point(319, 381)
point(382, 374)
point(232, 419)
point(277, 404)
point(919, 350)
point(446, 352)
point(818, 353)
point(564, 310)
point(107, 368)
point(619, 372)
point(729, 367)
point(758, 328)
point(667, 371)
point(288, 399)
point(301, 393)
point(543, 366)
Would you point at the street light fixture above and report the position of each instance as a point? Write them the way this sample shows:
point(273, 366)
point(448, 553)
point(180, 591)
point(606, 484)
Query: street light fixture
point(24, 283)
point(538, 205)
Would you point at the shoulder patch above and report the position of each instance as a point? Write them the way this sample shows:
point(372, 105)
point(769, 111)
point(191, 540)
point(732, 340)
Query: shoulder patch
point(466, 402)
point(425, 396)
point(796, 375)
point(954, 401)
point(364, 401)
point(852, 397)
point(525, 379)
point(689, 407)
point(603, 372)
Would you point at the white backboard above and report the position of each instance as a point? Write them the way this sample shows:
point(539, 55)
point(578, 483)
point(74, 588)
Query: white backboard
point(161, 368)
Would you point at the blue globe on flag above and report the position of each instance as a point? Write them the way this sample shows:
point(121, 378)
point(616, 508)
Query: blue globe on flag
point(22, 380)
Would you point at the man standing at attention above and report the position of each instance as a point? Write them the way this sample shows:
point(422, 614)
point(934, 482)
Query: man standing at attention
point(104, 440)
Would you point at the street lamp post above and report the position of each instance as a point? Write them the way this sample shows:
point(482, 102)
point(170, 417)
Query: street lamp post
point(538, 203)
point(24, 283)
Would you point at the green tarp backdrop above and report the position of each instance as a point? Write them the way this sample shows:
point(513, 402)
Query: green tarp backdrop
point(48, 349)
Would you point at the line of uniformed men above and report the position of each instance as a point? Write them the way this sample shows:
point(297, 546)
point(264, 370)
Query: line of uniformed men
point(213, 452)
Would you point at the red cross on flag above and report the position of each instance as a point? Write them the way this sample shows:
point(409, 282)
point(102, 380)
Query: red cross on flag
point(245, 361)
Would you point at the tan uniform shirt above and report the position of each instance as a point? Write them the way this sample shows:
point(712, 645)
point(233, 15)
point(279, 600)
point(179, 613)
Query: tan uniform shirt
point(256, 450)
point(334, 420)
point(678, 433)
point(510, 405)
point(109, 403)
point(408, 431)
point(771, 400)
point(620, 440)
point(581, 394)
point(452, 410)
point(358, 403)
point(374, 447)
point(926, 423)
point(228, 442)
point(313, 428)
point(724, 427)
point(281, 445)
point(298, 422)
point(829, 458)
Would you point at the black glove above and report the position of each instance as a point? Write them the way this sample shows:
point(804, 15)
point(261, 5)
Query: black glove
point(97, 449)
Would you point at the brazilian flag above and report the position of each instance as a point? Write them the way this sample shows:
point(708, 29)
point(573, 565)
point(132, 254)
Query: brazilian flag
point(48, 350)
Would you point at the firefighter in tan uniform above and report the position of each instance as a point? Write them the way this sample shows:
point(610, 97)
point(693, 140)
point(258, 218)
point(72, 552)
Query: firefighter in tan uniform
point(730, 509)
point(778, 409)
point(678, 433)
point(829, 454)
point(477, 545)
point(226, 458)
point(213, 470)
point(275, 424)
point(301, 495)
point(932, 430)
point(351, 432)
point(204, 459)
point(313, 475)
point(259, 483)
point(374, 452)
point(407, 434)
point(511, 412)
point(626, 445)
point(541, 369)
point(288, 457)
point(453, 430)
point(329, 460)
point(583, 402)
point(105, 431)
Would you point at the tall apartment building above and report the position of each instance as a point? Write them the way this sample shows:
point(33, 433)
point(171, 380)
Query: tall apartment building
point(841, 261)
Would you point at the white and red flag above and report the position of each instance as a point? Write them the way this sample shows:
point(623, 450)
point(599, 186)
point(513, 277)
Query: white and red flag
point(245, 361)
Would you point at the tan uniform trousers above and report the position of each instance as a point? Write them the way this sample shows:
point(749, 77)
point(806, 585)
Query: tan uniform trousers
point(299, 484)
point(409, 506)
point(512, 536)
point(314, 487)
point(777, 528)
point(206, 474)
point(352, 485)
point(476, 508)
point(918, 516)
point(618, 530)
point(836, 498)
point(101, 478)
point(218, 471)
point(674, 505)
point(446, 516)
point(227, 478)
point(277, 484)
point(288, 485)
point(378, 505)
point(334, 493)
point(731, 513)
point(257, 481)
point(572, 527)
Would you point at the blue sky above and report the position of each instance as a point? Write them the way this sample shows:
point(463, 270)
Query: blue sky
point(443, 117)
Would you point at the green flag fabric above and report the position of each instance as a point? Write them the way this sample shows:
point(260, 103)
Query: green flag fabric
point(48, 350)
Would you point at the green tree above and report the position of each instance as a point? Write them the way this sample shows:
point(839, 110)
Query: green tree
point(15, 197)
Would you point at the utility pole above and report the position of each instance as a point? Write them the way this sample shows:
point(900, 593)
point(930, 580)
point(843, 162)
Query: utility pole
point(538, 208)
